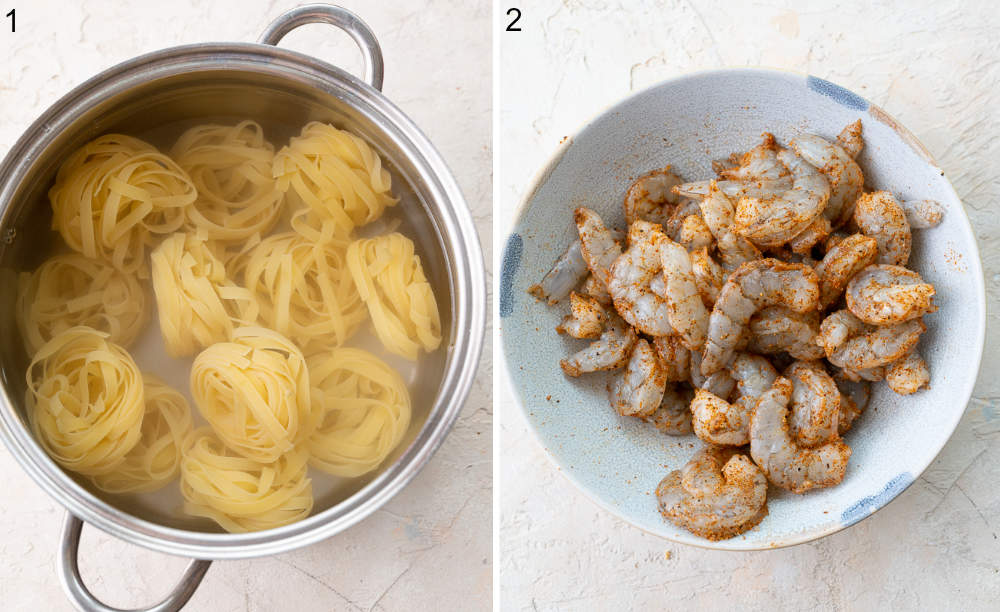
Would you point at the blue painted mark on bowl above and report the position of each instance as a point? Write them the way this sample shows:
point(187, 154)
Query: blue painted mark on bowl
point(508, 268)
point(866, 505)
point(843, 96)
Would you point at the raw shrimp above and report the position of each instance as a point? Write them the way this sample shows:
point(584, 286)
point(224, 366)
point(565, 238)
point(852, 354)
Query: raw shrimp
point(908, 374)
point(708, 276)
point(783, 461)
point(675, 223)
point(650, 197)
point(773, 221)
point(688, 314)
point(600, 249)
point(777, 329)
point(717, 421)
point(765, 189)
point(674, 356)
point(878, 347)
point(565, 274)
point(639, 389)
point(815, 233)
point(596, 289)
point(719, 383)
point(876, 374)
point(833, 240)
point(850, 139)
point(630, 278)
point(923, 214)
point(840, 170)
point(609, 352)
point(586, 317)
point(883, 294)
point(879, 215)
point(854, 396)
point(841, 262)
point(755, 285)
point(720, 493)
point(673, 417)
point(815, 404)
point(718, 212)
point(759, 164)
point(695, 234)
point(837, 328)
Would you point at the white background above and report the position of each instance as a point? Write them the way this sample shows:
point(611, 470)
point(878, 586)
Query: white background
point(934, 66)
point(430, 546)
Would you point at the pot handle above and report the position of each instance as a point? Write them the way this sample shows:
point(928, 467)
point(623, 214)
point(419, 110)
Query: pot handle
point(83, 599)
point(336, 16)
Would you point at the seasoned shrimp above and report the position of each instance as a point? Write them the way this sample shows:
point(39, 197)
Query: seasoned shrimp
point(688, 314)
point(854, 396)
point(695, 234)
point(850, 139)
point(673, 417)
point(879, 215)
point(600, 249)
point(609, 352)
point(777, 329)
point(718, 212)
point(586, 317)
point(840, 170)
point(719, 494)
point(923, 214)
point(675, 224)
point(755, 285)
point(841, 262)
point(717, 421)
point(883, 294)
point(597, 290)
point(815, 233)
point(878, 346)
point(568, 271)
point(630, 278)
point(760, 163)
point(782, 459)
point(675, 357)
point(650, 198)
point(639, 389)
point(909, 374)
point(708, 276)
point(815, 404)
point(764, 189)
point(833, 240)
point(773, 221)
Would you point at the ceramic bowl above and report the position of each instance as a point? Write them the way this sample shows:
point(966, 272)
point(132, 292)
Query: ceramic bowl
point(687, 122)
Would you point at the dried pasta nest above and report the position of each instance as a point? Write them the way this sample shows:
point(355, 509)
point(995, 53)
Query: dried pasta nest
point(241, 494)
point(365, 409)
point(254, 392)
point(114, 194)
point(70, 290)
point(86, 401)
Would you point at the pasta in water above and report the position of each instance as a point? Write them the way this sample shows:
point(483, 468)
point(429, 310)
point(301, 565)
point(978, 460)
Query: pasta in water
point(254, 392)
point(365, 407)
point(196, 302)
point(241, 494)
point(155, 460)
point(86, 401)
point(303, 289)
point(231, 167)
point(113, 194)
point(400, 301)
point(70, 290)
point(336, 174)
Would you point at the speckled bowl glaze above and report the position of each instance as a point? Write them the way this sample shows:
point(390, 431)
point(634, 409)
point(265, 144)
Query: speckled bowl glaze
point(686, 122)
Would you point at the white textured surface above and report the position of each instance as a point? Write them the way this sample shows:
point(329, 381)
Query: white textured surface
point(936, 70)
point(431, 545)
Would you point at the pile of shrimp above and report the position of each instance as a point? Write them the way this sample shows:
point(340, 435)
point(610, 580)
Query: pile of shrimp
point(754, 309)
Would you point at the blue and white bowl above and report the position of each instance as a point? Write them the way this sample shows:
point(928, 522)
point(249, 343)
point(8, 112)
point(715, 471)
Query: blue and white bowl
point(687, 122)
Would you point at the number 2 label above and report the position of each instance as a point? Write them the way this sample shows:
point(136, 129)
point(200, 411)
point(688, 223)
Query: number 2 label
point(517, 15)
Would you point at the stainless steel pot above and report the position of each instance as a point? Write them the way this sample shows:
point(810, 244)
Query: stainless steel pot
point(160, 92)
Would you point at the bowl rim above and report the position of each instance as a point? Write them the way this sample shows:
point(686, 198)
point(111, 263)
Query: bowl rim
point(454, 228)
point(731, 544)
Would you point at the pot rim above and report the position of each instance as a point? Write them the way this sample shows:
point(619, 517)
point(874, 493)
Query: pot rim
point(455, 229)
